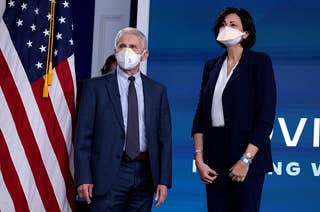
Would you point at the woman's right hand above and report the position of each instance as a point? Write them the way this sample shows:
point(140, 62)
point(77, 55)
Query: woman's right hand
point(207, 174)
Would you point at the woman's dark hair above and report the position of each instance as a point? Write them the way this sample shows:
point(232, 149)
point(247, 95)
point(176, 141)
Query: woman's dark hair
point(247, 24)
point(108, 64)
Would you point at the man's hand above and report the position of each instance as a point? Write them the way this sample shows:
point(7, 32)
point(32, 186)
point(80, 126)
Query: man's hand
point(85, 192)
point(239, 171)
point(207, 174)
point(161, 195)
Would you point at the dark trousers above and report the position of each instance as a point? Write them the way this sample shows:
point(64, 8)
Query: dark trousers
point(224, 195)
point(131, 191)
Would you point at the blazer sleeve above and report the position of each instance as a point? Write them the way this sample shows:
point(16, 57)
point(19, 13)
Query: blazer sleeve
point(198, 122)
point(84, 135)
point(165, 138)
point(265, 101)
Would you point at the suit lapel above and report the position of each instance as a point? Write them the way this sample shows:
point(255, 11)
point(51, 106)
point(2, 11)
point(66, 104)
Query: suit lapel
point(147, 95)
point(113, 90)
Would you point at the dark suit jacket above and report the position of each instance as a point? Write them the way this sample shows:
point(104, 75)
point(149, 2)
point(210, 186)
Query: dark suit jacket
point(249, 102)
point(100, 134)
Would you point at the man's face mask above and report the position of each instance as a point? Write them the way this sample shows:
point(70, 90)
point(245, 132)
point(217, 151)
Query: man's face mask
point(229, 36)
point(128, 59)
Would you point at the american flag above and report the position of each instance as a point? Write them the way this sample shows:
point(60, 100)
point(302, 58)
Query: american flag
point(36, 149)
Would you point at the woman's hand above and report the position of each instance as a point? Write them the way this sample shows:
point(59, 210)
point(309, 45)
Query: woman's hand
point(207, 174)
point(239, 171)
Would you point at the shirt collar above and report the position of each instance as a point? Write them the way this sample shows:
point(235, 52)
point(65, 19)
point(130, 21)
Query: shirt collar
point(125, 76)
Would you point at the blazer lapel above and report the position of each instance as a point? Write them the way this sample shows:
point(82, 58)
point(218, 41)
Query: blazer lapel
point(213, 77)
point(113, 90)
point(241, 66)
point(209, 88)
point(214, 74)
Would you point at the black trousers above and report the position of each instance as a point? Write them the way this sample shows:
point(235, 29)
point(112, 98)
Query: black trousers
point(132, 190)
point(225, 195)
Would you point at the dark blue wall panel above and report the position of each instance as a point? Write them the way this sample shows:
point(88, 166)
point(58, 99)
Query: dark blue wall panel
point(83, 19)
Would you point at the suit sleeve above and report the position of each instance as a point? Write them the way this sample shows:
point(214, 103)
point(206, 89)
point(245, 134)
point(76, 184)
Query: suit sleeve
point(84, 135)
point(165, 137)
point(197, 126)
point(265, 102)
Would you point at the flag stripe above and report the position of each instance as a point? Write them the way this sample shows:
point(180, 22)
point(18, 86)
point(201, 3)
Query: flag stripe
point(65, 75)
point(11, 178)
point(61, 110)
point(65, 78)
point(6, 203)
point(55, 137)
point(74, 78)
point(28, 139)
point(19, 159)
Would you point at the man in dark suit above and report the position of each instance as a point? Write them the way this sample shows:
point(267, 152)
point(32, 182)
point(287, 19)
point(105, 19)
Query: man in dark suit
point(123, 138)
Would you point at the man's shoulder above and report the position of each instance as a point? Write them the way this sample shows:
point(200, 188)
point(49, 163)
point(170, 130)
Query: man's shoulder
point(152, 82)
point(96, 81)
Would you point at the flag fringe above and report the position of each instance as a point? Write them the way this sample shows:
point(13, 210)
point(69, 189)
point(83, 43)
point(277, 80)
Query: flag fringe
point(49, 72)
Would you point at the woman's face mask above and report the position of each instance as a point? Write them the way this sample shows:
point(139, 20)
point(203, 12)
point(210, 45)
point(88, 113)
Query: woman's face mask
point(229, 36)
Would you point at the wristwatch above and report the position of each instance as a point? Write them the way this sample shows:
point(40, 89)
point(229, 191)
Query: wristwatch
point(247, 158)
point(248, 155)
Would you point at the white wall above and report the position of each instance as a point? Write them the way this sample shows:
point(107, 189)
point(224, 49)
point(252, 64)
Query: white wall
point(143, 24)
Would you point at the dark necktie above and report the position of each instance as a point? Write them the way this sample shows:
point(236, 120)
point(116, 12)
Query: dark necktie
point(132, 144)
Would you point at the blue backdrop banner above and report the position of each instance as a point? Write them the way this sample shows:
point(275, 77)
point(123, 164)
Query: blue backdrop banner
point(181, 40)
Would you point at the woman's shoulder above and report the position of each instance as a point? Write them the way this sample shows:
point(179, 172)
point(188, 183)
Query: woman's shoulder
point(209, 64)
point(258, 55)
point(212, 61)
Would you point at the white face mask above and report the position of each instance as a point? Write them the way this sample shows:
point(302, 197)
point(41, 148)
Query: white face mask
point(128, 59)
point(229, 36)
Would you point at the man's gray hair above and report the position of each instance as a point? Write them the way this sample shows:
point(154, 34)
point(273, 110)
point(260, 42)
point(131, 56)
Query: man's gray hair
point(132, 31)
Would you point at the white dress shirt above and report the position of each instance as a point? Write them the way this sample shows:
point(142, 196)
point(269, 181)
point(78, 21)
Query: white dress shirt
point(217, 116)
point(123, 84)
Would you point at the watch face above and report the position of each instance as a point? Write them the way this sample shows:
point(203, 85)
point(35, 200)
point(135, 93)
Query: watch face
point(248, 155)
